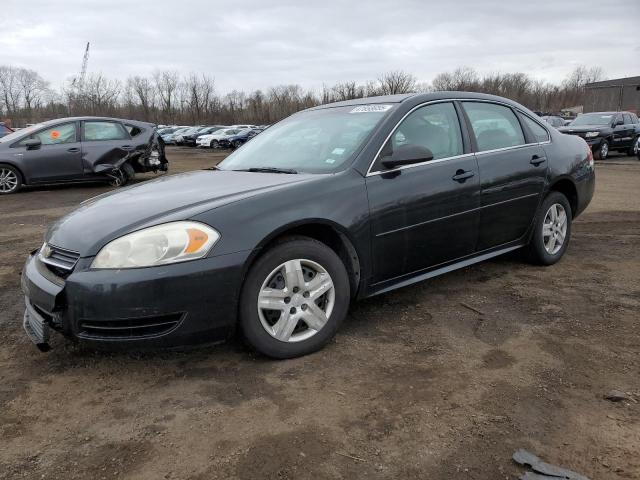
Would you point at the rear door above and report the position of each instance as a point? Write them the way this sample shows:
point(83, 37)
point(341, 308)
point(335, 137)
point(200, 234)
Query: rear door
point(58, 157)
point(513, 170)
point(425, 214)
point(104, 143)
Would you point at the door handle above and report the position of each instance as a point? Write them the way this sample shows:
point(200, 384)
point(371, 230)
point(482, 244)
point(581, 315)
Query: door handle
point(127, 147)
point(536, 160)
point(461, 176)
point(73, 150)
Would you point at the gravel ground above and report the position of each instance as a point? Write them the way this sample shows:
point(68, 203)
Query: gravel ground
point(415, 385)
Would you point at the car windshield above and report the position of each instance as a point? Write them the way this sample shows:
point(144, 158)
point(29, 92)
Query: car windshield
point(592, 119)
point(314, 141)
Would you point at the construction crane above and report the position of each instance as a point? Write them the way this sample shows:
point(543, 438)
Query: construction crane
point(78, 82)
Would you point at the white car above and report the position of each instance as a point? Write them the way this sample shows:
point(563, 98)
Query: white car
point(212, 140)
point(243, 127)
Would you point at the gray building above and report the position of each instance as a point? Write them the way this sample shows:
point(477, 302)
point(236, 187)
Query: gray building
point(616, 94)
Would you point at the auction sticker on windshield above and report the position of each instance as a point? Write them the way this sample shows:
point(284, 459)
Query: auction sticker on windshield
point(370, 108)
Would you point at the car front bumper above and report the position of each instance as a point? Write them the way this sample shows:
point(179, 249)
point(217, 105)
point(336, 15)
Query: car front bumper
point(180, 304)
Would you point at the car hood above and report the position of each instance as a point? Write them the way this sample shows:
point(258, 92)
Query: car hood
point(583, 128)
point(176, 197)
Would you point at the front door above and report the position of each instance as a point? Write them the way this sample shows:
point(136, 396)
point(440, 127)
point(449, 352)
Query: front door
point(425, 214)
point(513, 170)
point(57, 158)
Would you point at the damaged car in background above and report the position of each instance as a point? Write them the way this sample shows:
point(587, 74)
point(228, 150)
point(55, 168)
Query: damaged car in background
point(78, 150)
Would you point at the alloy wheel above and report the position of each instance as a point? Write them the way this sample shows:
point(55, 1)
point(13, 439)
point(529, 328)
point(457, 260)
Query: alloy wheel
point(636, 146)
point(8, 180)
point(604, 150)
point(554, 229)
point(296, 300)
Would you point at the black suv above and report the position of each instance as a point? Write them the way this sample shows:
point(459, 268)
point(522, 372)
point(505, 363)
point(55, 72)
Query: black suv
point(607, 131)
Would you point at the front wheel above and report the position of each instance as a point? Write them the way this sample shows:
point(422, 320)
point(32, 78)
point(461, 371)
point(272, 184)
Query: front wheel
point(237, 144)
point(213, 144)
point(603, 151)
point(634, 149)
point(552, 230)
point(294, 298)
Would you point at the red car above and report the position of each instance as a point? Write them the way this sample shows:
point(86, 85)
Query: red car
point(4, 130)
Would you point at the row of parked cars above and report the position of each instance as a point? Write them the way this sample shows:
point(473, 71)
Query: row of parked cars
point(210, 136)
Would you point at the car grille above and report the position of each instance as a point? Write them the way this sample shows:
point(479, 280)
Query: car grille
point(59, 260)
point(129, 328)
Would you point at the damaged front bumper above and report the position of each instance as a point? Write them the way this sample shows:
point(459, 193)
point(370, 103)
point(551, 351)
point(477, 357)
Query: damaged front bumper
point(180, 304)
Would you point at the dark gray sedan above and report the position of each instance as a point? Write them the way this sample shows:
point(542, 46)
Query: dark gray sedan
point(79, 149)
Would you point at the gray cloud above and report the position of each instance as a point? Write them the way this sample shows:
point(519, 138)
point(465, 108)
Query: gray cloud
point(257, 43)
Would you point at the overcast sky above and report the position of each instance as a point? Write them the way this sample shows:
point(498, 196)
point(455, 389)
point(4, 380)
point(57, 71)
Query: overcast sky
point(251, 44)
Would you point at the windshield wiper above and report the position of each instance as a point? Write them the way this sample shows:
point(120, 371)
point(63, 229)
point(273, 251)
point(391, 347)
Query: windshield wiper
point(267, 170)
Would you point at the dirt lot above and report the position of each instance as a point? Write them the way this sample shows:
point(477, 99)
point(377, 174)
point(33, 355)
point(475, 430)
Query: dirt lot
point(416, 385)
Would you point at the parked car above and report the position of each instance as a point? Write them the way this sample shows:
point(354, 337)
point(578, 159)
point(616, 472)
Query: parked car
point(169, 138)
point(190, 139)
point(212, 140)
point(554, 121)
point(335, 203)
point(607, 131)
point(4, 130)
point(79, 149)
point(178, 137)
point(239, 139)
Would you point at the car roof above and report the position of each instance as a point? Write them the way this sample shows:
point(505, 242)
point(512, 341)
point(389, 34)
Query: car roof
point(418, 98)
point(77, 119)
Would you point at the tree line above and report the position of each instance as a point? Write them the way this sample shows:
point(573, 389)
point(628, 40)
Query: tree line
point(166, 97)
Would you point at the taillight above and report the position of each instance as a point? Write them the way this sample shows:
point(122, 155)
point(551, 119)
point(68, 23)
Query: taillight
point(590, 157)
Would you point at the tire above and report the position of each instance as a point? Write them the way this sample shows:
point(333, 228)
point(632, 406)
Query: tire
point(267, 330)
point(603, 151)
point(10, 179)
point(125, 174)
point(213, 144)
point(237, 144)
point(540, 252)
point(634, 149)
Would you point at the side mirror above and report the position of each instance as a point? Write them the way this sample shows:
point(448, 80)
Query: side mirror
point(407, 155)
point(33, 143)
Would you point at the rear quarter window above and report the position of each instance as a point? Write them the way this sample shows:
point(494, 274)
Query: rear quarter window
point(133, 130)
point(540, 133)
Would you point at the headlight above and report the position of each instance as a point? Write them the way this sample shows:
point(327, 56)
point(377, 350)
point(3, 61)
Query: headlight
point(167, 243)
point(591, 134)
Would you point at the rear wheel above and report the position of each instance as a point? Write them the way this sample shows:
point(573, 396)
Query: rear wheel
point(294, 298)
point(552, 230)
point(10, 180)
point(122, 176)
point(603, 152)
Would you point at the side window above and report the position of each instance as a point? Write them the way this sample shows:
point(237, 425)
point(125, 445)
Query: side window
point(435, 127)
point(95, 131)
point(634, 118)
point(539, 132)
point(627, 119)
point(494, 126)
point(59, 134)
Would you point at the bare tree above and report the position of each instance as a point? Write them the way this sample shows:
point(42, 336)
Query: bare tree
point(391, 83)
point(144, 93)
point(167, 83)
